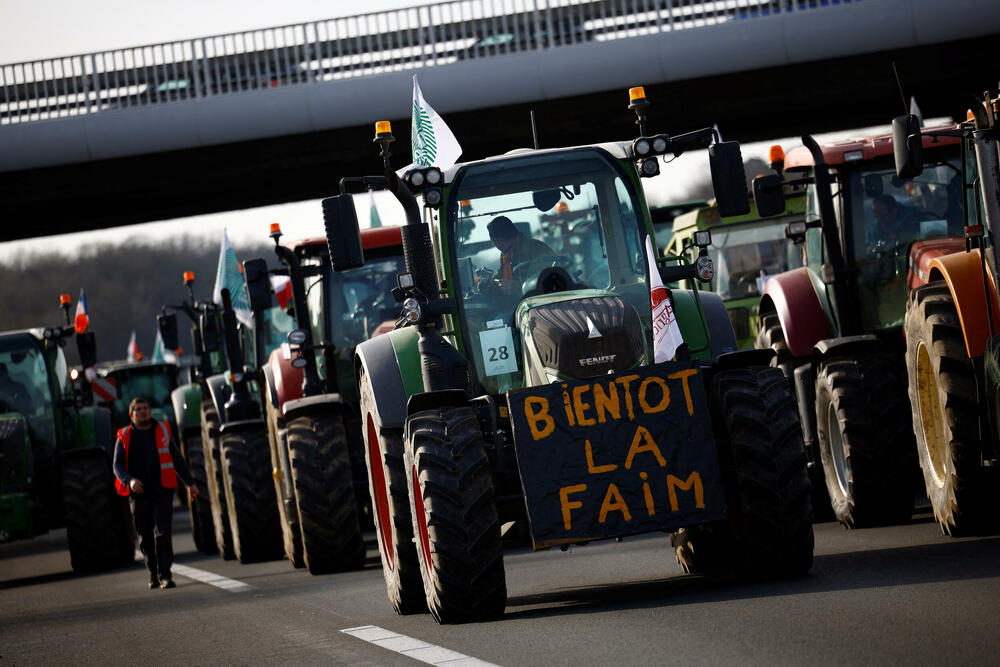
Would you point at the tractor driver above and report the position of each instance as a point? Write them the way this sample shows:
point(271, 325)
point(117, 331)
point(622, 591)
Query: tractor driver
point(515, 248)
point(894, 224)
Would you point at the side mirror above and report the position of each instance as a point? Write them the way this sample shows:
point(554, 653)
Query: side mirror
point(86, 346)
point(343, 234)
point(728, 178)
point(769, 195)
point(907, 146)
point(167, 325)
point(258, 284)
point(209, 332)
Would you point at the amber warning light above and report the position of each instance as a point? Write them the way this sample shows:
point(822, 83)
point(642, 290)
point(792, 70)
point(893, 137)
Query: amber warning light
point(189, 276)
point(275, 227)
point(776, 154)
point(637, 93)
point(383, 127)
point(64, 299)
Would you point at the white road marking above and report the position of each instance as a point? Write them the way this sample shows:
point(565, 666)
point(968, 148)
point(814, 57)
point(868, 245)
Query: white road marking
point(212, 579)
point(414, 648)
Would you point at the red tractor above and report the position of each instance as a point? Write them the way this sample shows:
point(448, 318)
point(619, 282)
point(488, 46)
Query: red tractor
point(836, 323)
point(311, 399)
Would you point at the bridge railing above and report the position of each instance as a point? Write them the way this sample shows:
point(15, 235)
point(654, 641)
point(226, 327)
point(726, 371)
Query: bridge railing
point(363, 45)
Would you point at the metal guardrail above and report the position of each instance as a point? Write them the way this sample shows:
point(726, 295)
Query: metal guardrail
point(367, 44)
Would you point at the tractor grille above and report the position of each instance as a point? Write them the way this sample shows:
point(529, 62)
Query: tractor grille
point(566, 342)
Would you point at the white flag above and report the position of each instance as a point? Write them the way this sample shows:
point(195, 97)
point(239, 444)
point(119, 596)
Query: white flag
point(666, 332)
point(132, 351)
point(229, 276)
point(431, 141)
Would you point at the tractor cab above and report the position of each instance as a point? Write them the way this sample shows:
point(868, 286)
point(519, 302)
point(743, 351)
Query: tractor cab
point(152, 380)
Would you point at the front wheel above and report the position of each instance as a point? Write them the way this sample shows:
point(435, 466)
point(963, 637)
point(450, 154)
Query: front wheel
point(202, 529)
point(324, 494)
point(865, 436)
point(97, 519)
point(455, 517)
point(759, 442)
point(288, 516)
point(942, 388)
point(216, 489)
point(253, 511)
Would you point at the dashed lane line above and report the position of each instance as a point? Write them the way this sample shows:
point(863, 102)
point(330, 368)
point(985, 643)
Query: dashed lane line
point(414, 648)
point(206, 577)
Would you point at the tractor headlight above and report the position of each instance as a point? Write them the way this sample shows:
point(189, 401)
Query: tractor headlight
point(650, 167)
point(660, 144)
point(432, 197)
point(434, 176)
point(641, 147)
point(416, 178)
point(411, 310)
point(706, 270)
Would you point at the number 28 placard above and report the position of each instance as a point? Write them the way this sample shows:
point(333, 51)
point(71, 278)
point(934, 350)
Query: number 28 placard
point(498, 351)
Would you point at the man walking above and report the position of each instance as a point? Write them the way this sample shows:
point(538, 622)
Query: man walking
point(147, 464)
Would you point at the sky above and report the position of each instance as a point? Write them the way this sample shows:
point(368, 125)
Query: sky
point(36, 29)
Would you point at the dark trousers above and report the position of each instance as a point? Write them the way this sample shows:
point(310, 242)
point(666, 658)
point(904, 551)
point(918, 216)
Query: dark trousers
point(152, 514)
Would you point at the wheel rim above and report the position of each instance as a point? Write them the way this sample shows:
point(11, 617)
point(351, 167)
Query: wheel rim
point(418, 505)
point(381, 496)
point(932, 417)
point(838, 457)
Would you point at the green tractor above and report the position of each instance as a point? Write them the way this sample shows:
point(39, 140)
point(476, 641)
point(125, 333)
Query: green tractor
point(155, 380)
point(55, 453)
point(534, 391)
point(746, 251)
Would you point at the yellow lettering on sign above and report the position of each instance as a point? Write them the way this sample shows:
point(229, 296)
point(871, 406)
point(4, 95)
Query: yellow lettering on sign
point(615, 505)
point(568, 407)
point(536, 409)
point(606, 402)
point(596, 470)
point(664, 398)
point(643, 442)
point(683, 377)
point(580, 407)
point(624, 381)
point(647, 494)
point(568, 504)
point(693, 480)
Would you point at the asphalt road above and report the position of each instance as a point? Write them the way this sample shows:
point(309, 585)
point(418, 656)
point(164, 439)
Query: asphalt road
point(896, 595)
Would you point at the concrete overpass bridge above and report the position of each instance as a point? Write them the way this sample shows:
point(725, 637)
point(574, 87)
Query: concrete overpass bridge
point(268, 116)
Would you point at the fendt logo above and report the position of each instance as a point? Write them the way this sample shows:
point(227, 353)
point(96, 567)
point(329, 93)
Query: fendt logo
point(597, 361)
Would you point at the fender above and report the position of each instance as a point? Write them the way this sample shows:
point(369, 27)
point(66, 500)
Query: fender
point(924, 252)
point(283, 379)
point(436, 399)
point(320, 403)
point(742, 359)
point(794, 292)
point(219, 391)
point(720, 326)
point(187, 407)
point(268, 393)
point(385, 367)
point(963, 272)
point(846, 346)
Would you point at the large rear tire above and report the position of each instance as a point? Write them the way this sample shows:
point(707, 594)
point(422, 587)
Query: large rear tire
point(770, 336)
point(253, 511)
point(454, 516)
point(97, 519)
point(216, 486)
point(759, 440)
point(943, 396)
point(391, 506)
point(865, 436)
point(288, 516)
point(324, 494)
point(202, 528)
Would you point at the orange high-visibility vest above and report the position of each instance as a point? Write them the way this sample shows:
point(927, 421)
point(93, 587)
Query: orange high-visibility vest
point(168, 478)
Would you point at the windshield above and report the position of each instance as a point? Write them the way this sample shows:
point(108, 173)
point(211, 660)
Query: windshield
point(279, 323)
point(24, 383)
point(536, 225)
point(361, 300)
point(890, 213)
point(153, 382)
point(745, 257)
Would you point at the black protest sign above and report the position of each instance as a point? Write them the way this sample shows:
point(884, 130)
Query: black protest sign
point(617, 455)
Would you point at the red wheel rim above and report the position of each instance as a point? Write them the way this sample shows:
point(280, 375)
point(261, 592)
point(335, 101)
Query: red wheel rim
point(381, 496)
point(418, 504)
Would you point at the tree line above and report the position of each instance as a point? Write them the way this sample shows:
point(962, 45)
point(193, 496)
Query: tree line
point(126, 286)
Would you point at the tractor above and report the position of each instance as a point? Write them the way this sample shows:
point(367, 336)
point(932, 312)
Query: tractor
point(836, 324)
point(310, 398)
point(535, 391)
point(56, 453)
point(746, 251)
point(153, 380)
point(952, 343)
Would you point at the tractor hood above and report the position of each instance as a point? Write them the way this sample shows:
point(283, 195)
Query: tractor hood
point(578, 335)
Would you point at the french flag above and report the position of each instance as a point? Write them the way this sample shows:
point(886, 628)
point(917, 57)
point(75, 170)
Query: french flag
point(82, 319)
point(282, 286)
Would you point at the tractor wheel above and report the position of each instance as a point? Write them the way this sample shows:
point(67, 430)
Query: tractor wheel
point(98, 523)
point(770, 336)
point(216, 489)
point(391, 507)
point(287, 513)
point(942, 386)
point(253, 511)
point(454, 516)
point(759, 441)
point(863, 426)
point(202, 529)
point(324, 494)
